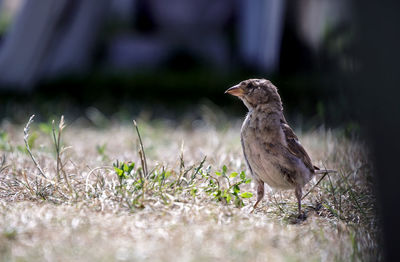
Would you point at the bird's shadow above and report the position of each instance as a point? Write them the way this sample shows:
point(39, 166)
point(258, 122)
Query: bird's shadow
point(296, 219)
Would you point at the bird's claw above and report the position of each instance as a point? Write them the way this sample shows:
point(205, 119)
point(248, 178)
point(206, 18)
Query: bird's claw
point(301, 216)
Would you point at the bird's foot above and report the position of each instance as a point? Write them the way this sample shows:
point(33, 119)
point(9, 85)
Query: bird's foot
point(256, 204)
point(297, 218)
point(302, 216)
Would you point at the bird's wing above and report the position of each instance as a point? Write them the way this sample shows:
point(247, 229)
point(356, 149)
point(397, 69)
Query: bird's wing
point(294, 146)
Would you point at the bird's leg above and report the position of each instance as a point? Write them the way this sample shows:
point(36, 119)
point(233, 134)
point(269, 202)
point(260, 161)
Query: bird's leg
point(298, 193)
point(260, 193)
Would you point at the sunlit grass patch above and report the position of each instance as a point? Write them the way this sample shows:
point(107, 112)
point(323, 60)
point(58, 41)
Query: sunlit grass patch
point(105, 194)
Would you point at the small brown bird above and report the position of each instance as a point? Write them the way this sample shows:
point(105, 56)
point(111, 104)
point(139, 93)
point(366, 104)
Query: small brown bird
point(271, 149)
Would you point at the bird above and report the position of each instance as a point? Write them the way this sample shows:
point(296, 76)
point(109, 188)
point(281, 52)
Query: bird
point(272, 151)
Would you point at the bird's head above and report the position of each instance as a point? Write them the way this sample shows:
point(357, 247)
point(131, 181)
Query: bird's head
point(255, 92)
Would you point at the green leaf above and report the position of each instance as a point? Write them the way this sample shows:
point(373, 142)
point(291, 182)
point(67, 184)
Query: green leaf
point(228, 197)
point(218, 173)
point(233, 174)
point(238, 202)
point(101, 149)
point(3, 135)
point(20, 149)
point(193, 192)
point(236, 189)
point(224, 169)
point(131, 167)
point(242, 175)
point(125, 167)
point(45, 128)
point(119, 172)
point(246, 195)
point(217, 194)
point(31, 140)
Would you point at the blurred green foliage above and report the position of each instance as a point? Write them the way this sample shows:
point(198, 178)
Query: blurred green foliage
point(5, 21)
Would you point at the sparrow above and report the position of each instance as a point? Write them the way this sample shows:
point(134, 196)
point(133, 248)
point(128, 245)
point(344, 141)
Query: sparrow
point(271, 149)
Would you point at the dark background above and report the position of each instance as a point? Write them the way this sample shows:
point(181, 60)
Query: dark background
point(126, 55)
point(335, 64)
point(376, 95)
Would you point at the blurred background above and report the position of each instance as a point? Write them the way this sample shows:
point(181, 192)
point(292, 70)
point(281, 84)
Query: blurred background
point(119, 57)
point(335, 63)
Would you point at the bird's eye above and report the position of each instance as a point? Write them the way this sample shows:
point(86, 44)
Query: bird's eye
point(250, 86)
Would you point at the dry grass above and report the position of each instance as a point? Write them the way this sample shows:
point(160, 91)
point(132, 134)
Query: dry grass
point(84, 211)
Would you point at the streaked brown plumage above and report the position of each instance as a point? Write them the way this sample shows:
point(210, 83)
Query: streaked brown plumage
point(272, 150)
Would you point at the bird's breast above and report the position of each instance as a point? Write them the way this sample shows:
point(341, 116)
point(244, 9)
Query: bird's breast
point(266, 154)
point(264, 159)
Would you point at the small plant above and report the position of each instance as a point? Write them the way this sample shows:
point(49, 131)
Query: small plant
point(101, 150)
point(46, 128)
point(46, 185)
point(161, 184)
point(4, 144)
point(59, 148)
point(231, 190)
point(131, 185)
point(124, 171)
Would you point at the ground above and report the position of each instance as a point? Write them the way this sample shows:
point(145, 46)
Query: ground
point(193, 203)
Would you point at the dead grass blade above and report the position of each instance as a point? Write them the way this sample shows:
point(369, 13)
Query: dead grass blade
point(26, 136)
point(141, 151)
point(3, 165)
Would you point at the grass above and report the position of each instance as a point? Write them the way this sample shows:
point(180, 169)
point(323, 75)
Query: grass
point(165, 191)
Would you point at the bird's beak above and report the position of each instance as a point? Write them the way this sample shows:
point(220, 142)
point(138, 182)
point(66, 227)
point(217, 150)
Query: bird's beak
point(235, 91)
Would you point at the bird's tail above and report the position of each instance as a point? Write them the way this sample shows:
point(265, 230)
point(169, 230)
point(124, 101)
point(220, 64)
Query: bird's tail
point(324, 171)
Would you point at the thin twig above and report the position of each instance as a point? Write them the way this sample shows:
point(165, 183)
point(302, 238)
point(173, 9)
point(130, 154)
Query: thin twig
point(304, 196)
point(182, 163)
point(278, 205)
point(26, 136)
point(27, 183)
point(91, 172)
point(57, 150)
point(61, 127)
point(141, 152)
point(198, 169)
point(3, 165)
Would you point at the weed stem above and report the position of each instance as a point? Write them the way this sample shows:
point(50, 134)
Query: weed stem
point(26, 136)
